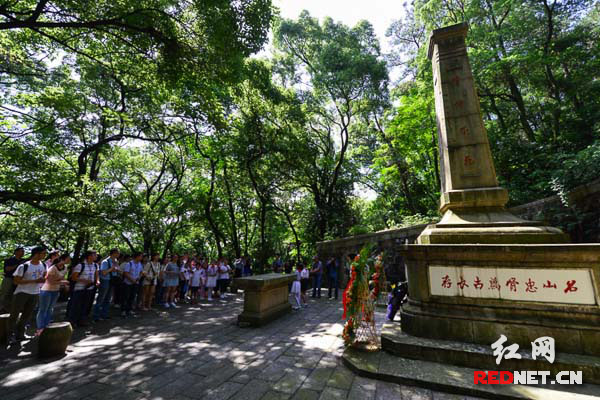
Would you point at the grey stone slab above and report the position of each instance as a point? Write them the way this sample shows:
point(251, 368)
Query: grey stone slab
point(318, 378)
point(330, 393)
point(253, 390)
point(341, 378)
point(362, 389)
point(273, 395)
point(224, 391)
point(306, 394)
point(388, 391)
point(291, 381)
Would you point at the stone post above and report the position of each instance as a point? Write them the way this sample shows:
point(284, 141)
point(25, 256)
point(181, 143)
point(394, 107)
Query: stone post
point(472, 202)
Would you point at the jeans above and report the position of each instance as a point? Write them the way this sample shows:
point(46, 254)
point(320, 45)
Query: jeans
point(46, 307)
point(160, 291)
point(333, 283)
point(128, 296)
point(80, 304)
point(317, 285)
point(103, 300)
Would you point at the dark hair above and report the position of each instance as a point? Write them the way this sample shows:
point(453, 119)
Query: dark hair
point(19, 248)
point(88, 253)
point(61, 258)
point(113, 251)
point(53, 252)
point(137, 254)
point(38, 250)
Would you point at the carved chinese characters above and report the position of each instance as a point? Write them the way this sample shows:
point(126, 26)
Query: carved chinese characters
point(572, 286)
point(465, 154)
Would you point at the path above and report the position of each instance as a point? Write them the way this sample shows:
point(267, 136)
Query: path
point(197, 352)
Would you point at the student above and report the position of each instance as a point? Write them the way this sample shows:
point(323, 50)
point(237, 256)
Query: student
point(7, 288)
point(55, 276)
point(139, 293)
point(211, 278)
point(53, 255)
point(107, 267)
point(332, 276)
point(160, 282)
point(303, 283)
point(118, 299)
point(27, 277)
point(296, 288)
point(184, 277)
point(132, 272)
point(171, 281)
point(203, 291)
point(85, 277)
point(223, 281)
point(196, 281)
point(317, 273)
point(152, 269)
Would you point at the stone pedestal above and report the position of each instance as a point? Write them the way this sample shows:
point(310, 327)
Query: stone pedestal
point(475, 293)
point(266, 297)
point(54, 339)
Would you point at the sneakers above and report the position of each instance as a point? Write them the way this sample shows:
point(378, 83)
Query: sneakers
point(167, 305)
point(123, 314)
point(174, 305)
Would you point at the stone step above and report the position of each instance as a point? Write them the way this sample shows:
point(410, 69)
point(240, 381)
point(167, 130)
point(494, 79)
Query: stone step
point(452, 379)
point(461, 354)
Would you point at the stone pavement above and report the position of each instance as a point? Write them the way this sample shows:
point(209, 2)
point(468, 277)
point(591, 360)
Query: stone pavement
point(198, 352)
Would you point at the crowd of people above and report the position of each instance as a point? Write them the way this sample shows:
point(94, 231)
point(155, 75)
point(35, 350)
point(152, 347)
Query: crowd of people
point(133, 283)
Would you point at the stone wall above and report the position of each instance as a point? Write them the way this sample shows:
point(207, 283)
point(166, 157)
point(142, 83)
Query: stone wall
point(384, 241)
point(581, 219)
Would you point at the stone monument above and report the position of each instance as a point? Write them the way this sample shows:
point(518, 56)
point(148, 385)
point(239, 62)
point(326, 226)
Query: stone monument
point(481, 271)
point(472, 203)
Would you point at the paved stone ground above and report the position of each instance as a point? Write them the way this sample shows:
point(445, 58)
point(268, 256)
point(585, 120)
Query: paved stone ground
point(198, 352)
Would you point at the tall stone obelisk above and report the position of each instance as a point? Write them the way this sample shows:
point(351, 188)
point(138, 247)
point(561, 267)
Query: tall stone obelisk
point(472, 203)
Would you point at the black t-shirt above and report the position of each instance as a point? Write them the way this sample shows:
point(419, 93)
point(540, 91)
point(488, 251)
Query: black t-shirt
point(11, 262)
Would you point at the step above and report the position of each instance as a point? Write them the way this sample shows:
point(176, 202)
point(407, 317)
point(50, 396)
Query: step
point(453, 379)
point(395, 341)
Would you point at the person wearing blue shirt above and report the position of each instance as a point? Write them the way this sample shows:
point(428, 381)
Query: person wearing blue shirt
point(108, 266)
point(317, 273)
point(132, 272)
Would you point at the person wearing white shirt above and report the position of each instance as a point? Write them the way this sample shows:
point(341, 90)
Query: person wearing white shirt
point(27, 277)
point(224, 271)
point(85, 276)
point(132, 272)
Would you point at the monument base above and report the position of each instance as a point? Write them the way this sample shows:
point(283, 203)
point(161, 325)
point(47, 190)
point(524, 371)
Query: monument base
point(475, 293)
point(266, 297)
point(488, 225)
